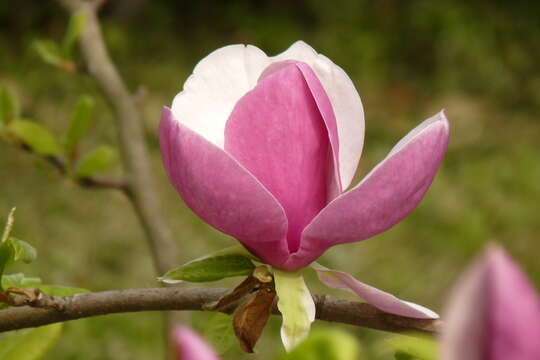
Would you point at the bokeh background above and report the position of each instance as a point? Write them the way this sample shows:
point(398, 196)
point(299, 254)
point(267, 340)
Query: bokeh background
point(478, 60)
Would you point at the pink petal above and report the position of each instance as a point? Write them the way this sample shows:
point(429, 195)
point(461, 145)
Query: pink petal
point(325, 108)
point(378, 298)
point(493, 313)
point(278, 133)
point(222, 192)
point(384, 197)
point(345, 102)
point(190, 346)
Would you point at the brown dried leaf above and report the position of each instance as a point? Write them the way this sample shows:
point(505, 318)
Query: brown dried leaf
point(249, 320)
point(30, 294)
point(246, 287)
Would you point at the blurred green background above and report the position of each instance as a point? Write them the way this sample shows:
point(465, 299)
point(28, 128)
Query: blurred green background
point(478, 60)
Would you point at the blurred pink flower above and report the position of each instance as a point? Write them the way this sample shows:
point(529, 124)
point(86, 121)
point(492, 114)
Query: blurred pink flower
point(493, 313)
point(190, 346)
point(263, 149)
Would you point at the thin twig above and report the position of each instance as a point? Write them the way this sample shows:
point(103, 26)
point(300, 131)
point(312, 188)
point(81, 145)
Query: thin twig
point(50, 310)
point(97, 182)
point(136, 159)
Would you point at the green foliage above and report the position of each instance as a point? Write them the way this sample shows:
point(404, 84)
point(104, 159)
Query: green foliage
point(219, 333)
point(22, 250)
point(99, 160)
point(30, 344)
point(61, 56)
point(73, 32)
point(80, 121)
point(35, 136)
point(415, 346)
point(211, 269)
point(330, 344)
point(6, 255)
point(49, 52)
point(12, 249)
point(19, 280)
point(9, 109)
point(62, 291)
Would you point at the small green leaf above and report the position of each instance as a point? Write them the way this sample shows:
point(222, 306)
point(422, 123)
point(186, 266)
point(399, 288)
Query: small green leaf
point(97, 161)
point(73, 32)
point(416, 346)
point(6, 255)
point(62, 291)
point(38, 138)
point(296, 306)
point(330, 344)
point(20, 281)
point(219, 332)
point(30, 344)
point(9, 225)
point(49, 52)
point(210, 269)
point(23, 250)
point(79, 123)
point(9, 109)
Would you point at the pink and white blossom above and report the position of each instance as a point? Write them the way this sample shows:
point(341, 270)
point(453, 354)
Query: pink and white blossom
point(265, 148)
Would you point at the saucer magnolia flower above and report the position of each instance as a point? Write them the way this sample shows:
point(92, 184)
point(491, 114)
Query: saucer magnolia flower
point(264, 149)
point(493, 313)
point(190, 346)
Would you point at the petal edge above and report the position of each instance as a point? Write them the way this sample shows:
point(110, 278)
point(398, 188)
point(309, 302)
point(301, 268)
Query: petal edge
point(378, 298)
point(223, 193)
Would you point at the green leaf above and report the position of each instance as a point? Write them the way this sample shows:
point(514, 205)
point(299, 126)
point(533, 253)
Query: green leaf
point(38, 138)
point(6, 255)
point(73, 32)
point(20, 281)
point(79, 123)
point(415, 346)
point(23, 250)
point(330, 344)
point(219, 332)
point(49, 52)
point(210, 269)
point(62, 291)
point(7, 252)
point(9, 109)
point(30, 344)
point(97, 161)
point(296, 306)
point(9, 225)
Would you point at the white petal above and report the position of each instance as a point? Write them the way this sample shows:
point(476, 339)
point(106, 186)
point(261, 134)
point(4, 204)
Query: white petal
point(345, 102)
point(217, 82)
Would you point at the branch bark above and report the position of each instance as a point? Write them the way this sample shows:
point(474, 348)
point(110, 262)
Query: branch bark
point(133, 147)
point(329, 308)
